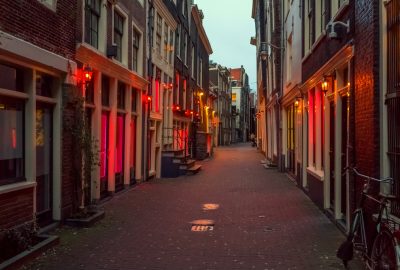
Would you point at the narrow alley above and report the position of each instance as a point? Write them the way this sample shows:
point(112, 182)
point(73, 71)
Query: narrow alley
point(261, 221)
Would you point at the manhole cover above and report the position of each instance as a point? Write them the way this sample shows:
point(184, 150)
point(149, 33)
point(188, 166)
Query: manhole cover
point(202, 228)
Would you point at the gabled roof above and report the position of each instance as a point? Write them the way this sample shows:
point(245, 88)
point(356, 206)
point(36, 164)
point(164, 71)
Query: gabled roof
point(200, 28)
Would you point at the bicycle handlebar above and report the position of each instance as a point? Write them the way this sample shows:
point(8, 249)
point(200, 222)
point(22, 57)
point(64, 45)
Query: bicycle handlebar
point(386, 179)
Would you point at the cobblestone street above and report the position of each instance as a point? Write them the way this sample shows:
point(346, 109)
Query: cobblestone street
point(263, 222)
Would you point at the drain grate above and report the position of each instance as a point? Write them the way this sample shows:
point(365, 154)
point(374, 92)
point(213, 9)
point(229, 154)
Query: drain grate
point(202, 228)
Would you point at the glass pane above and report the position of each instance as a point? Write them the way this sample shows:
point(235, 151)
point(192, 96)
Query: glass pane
point(44, 85)
point(12, 140)
point(119, 160)
point(43, 158)
point(11, 78)
point(105, 91)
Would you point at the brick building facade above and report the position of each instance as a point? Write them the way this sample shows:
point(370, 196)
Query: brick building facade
point(343, 109)
point(37, 50)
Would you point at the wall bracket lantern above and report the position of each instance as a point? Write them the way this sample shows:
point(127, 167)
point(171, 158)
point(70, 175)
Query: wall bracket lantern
point(325, 85)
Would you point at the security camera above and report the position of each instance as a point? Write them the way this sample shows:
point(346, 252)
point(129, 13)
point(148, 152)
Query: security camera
point(331, 29)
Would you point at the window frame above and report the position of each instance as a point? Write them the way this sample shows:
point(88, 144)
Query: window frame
point(118, 31)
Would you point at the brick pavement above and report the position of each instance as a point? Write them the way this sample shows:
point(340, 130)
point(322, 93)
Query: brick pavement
point(263, 222)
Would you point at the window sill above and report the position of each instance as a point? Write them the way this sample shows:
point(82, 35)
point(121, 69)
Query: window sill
point(16, 186)
point(316, 173)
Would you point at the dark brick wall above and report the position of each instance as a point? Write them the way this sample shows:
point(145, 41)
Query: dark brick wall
point(366, 88)
point(315, 190)
point(16, 208)
point(37, 24)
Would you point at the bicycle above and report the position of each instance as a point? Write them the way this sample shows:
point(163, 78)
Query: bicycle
point(385, 252)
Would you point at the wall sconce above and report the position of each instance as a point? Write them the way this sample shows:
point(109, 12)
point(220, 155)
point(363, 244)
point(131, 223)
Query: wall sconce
point(324, 86)
point(87, 74)
point(297, 100)
point(148, 98)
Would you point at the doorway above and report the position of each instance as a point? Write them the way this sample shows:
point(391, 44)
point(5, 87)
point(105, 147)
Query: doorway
point(44, 157)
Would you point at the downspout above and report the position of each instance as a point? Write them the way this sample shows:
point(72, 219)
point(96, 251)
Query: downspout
point(147, 103)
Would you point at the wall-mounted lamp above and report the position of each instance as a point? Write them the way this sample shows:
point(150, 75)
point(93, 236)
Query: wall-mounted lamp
point(325, 84)
point(87, 73)
point(297, 100)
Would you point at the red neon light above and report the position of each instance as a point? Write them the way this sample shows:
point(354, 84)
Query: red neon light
point(133, 142)
point(103, 145)
point(120, 143)
point(157, 105)
point(14, 138)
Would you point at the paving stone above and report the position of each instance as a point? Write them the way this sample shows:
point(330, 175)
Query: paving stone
point(263, 221)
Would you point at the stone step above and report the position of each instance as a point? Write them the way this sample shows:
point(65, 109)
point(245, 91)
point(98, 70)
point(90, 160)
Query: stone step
point(194, 169)
point(188, 164)
point(181, 158)
point(172, 153)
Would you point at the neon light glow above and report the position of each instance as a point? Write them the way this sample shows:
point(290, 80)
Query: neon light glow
point(157, 96)
point(120, 144)
point(14, 138)
point(133, 141)
point(103, 145)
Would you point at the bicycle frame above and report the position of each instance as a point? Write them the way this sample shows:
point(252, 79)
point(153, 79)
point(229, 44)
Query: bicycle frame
point(383, 228)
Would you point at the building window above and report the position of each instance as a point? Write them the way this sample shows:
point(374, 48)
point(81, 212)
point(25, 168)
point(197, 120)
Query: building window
point(289, 59)
point(158, 33)
point(185, 8)
point(171, 46)
point(316, 127)
point(105, 91)
point(92, 17)
point(134, 100)
point(193, 61)
point(166, 49)
point(201, 73)
point(178, 42)
point(44, 84)
point(392, 97)
point(118, 33)
point(135, 50)
point(11, 78)
point(185, 37)
point(177, 85)
point(184, 94)
point(121, 96)
point(12, 140)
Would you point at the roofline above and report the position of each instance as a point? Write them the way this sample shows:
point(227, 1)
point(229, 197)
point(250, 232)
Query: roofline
point(202, 32)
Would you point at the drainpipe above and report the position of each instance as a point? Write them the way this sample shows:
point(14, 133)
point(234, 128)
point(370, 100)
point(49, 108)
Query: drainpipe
point(147, 103)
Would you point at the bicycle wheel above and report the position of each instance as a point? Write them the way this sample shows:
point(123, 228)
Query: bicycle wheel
point(383, 255)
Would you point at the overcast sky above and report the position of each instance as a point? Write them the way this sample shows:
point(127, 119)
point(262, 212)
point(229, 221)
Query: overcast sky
point(229, 26)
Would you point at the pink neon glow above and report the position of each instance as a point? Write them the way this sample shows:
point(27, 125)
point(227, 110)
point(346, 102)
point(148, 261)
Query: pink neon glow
point(133, 142)
point(14, 138)
point(103, 145)
point(157, 96)
point(120, 144)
